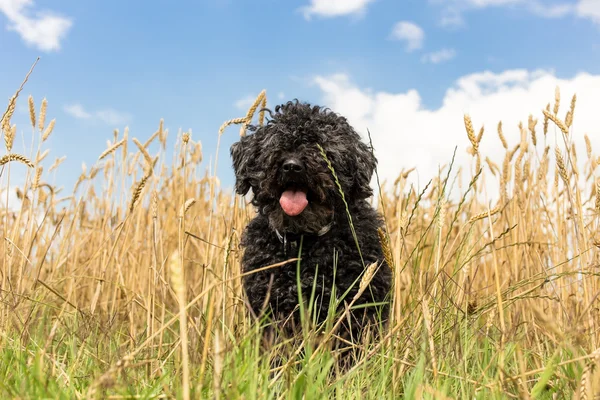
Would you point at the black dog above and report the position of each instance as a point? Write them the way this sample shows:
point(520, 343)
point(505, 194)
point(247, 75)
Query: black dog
point(299, 203)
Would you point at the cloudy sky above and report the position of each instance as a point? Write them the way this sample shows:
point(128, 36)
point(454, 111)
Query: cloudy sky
point(406, 70)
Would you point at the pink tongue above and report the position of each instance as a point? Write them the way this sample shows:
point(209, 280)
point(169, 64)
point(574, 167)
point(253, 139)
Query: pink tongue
point(293, 202)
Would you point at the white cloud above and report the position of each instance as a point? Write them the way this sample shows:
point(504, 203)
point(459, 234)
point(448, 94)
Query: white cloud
point(451, 18)
point(487, 3)
point(550, 10)
point(410, 33)
point(589, 9)
point(77, 111)
point(439, 56)
point(453, 10)
point(108, 116)
point(44, 29)
point(14, 204)
point(335, 8)
point(407, 134)
point(245, 102)
point(113, 117)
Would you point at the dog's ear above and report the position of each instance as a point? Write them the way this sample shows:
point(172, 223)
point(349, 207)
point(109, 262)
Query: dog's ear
point(365, 166)
point(242, 157)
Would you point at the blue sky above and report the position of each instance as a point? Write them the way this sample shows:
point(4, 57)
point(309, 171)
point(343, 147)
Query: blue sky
point(406, 70)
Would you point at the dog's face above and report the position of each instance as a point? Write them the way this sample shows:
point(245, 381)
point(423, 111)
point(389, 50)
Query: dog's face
point(290, 180)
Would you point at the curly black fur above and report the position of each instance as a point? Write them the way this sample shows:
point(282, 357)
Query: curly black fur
point(293, 131)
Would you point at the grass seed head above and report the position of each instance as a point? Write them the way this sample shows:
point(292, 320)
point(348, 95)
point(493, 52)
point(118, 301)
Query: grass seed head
point(15, 157)
point(42, 120)
point(48, 130)
point(556, 100)
point(471, 133)
point(501, 136)
point(31, 111)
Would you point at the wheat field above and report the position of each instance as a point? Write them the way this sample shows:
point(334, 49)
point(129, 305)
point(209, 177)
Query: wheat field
point(129, 286)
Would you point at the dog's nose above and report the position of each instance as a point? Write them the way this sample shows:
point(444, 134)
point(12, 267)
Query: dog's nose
point(292, 165)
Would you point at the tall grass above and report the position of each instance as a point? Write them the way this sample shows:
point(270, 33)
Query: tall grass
point(130, 286)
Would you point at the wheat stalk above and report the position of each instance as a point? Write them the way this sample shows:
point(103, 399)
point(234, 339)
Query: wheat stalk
point(532, 122)
point(556, 100)
point(366, 279)
point(546, 120)
point(38, 175)
point(138, 191)
point(571, 112)
point(31, 110)
point(480, 135)
point(386, 248)
point(40, 157)
point(471, 133)
point(178, 285)
point(501, 136)
point(144, 152)
point(186, 206)
point(42, 120)
point(261, 98)
point(428, 326)
point(57, 162)
point(561, 125)
point(598, 197)
point(48, 130)
point(15, 157)
point(560, 164)
point(9, 137)
point(112, 149)
point(484, 214)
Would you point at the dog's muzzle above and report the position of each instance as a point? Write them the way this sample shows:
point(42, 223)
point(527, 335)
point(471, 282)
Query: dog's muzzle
point(293, 199)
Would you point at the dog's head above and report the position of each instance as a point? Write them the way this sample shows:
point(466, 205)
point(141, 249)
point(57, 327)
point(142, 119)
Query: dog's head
point(290, 180)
